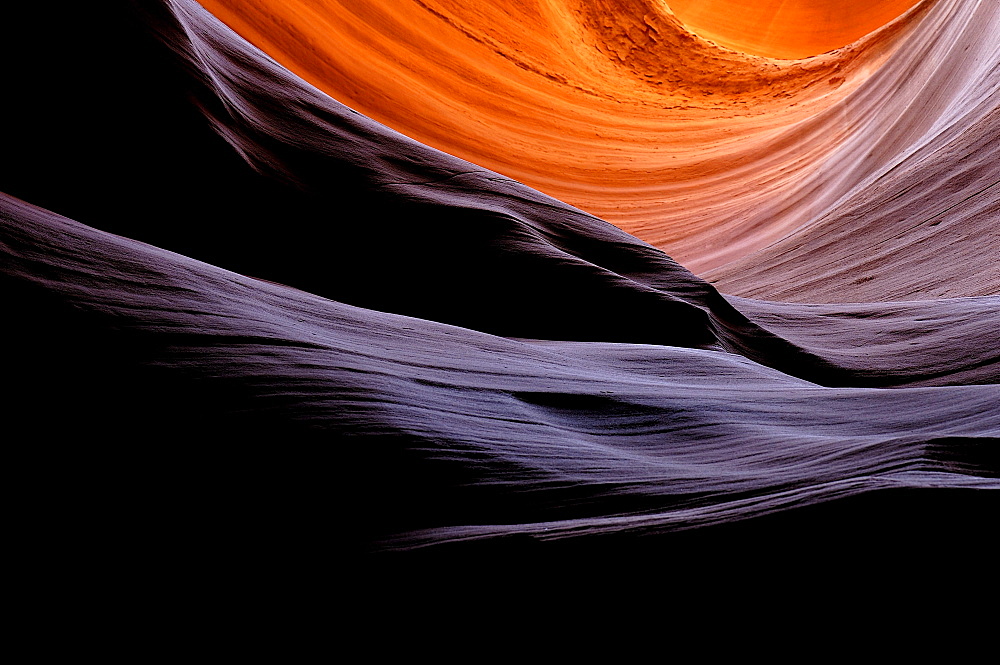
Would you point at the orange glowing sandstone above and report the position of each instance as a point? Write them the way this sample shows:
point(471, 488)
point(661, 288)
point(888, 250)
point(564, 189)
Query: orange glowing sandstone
point(613, 106)
point(786, 28)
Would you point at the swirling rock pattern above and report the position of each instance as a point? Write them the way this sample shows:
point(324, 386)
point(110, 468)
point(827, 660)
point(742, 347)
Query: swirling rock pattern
point(708, 153)
point(430, 354)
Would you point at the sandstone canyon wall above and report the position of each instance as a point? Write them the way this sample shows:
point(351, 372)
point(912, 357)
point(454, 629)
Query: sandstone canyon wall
point(344, 285)
point(709, 153)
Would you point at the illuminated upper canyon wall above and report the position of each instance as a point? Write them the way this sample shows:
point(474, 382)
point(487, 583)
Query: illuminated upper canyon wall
point(787, 28)
point(610, 105)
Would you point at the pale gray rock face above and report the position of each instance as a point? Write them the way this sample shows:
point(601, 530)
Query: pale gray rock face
point(458, 358)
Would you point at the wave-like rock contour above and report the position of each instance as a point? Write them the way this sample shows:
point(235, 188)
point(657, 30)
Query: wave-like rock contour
point(716, 156)
point(337, 327)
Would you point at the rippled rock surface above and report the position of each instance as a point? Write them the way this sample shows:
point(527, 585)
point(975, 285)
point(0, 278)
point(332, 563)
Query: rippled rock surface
point(233, 300)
